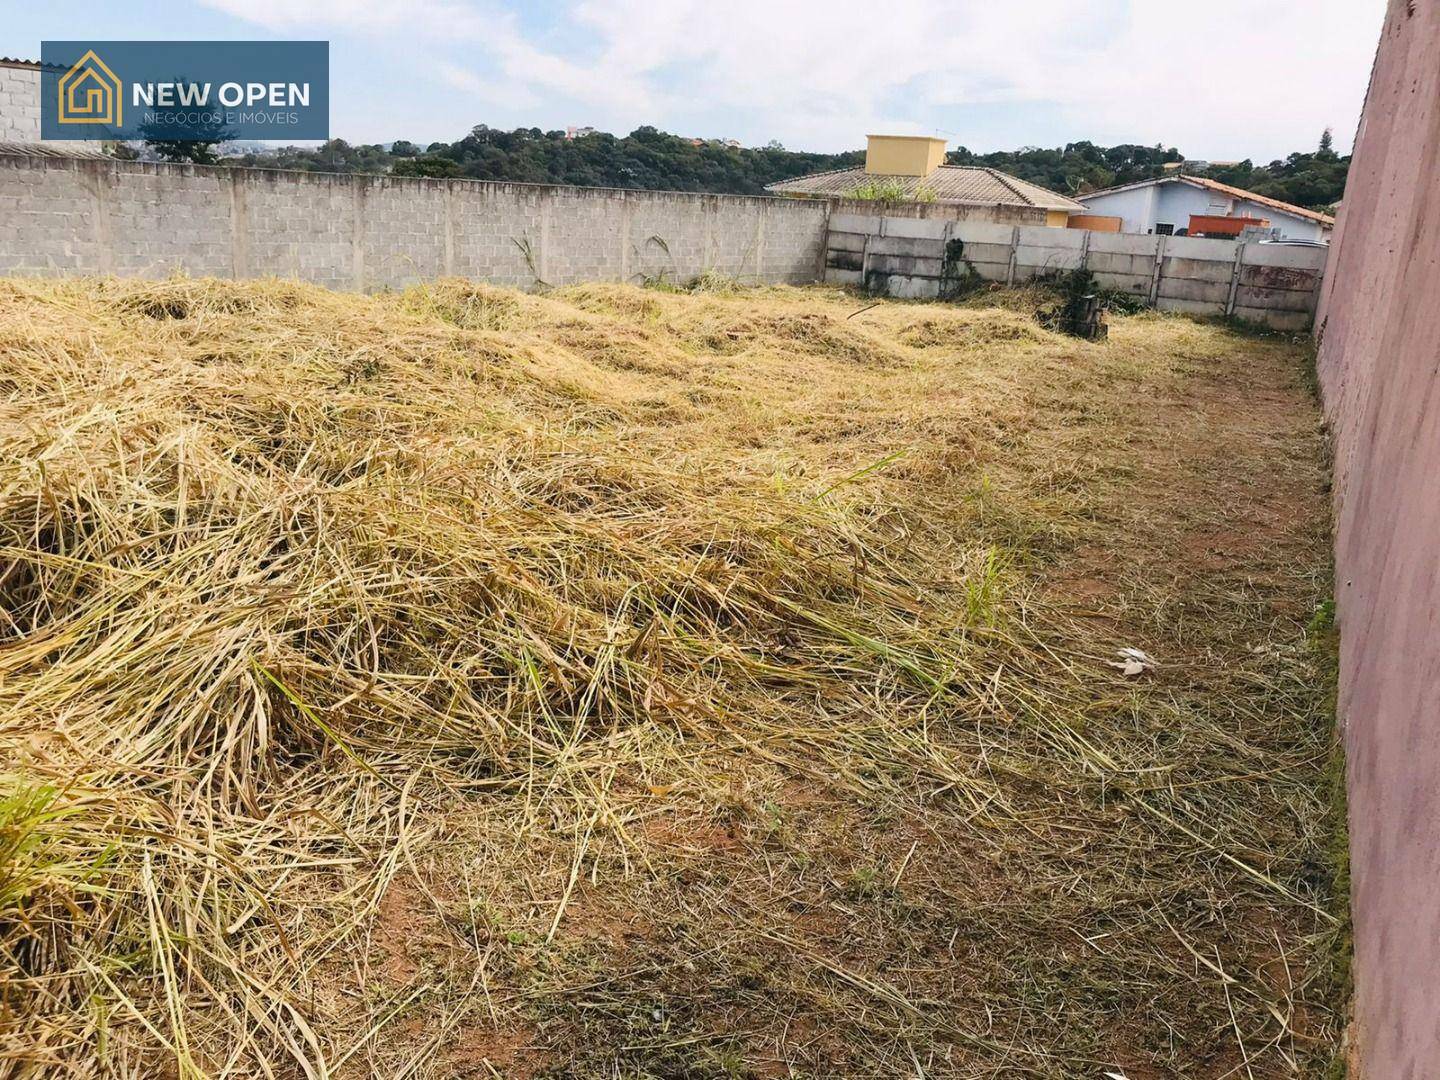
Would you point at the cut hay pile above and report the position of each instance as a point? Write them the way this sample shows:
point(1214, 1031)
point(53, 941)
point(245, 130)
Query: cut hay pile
point(626, 682)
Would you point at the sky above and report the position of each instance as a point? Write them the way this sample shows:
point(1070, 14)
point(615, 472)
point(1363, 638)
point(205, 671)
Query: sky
point(1219, 79)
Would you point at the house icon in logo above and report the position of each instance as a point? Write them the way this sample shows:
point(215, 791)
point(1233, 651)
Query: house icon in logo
point(89, 93)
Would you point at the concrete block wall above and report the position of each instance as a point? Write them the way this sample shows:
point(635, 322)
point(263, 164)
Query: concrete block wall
point(1379, 369)
point(19, 103)
point(1123, 261)
point(938, 211)
point(304, 231)
point(1040, 251)
point(989, 250)
point(367, 232)
point(20, 108)
point(54, 226)
point(902, 256)
point(1279, 285)
point(141, 219)
point(67, 216)
point(501, 233)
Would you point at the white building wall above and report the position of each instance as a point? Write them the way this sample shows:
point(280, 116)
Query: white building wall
point(1134, 207)
point(1142, 208)
point(20, 110)
point(1290, 226)
point(1179, 201)
point(19, 103)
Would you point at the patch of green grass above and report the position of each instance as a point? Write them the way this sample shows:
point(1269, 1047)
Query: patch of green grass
point(887, 189)
point(1334, 968)
point(984, 589)
point(47, 858)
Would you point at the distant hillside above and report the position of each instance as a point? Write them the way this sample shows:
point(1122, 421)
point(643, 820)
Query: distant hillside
point(646, 158)
point(652, 159)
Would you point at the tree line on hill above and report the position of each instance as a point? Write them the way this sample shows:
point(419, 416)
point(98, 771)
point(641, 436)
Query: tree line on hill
point(651, 159)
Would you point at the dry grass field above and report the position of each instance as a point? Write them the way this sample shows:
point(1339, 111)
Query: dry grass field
point(640, 683)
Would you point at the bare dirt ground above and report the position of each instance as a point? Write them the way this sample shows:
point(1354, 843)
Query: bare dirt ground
point(638, 683)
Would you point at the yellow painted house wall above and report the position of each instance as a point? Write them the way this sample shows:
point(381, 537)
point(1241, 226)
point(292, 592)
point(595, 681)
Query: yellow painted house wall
point(1057, 219)
point(903, 155)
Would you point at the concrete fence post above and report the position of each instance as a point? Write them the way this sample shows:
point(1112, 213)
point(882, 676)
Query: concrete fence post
point(1235, 279)
point(542, 257)
point(104, 255)
point(1160, 242)
point(946, 235)
point(239, 226)
point(712, 240)
point(449, 256)
point(627, 224)
point(759, 241)
point(823, 262)
point(1014, 251)
point(357, 236)
point(1085, 249)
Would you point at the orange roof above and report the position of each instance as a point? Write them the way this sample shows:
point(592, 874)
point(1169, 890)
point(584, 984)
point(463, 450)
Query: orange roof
point(1263, 200)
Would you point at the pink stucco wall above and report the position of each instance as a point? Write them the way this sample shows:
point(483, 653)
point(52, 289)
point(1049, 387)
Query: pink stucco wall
point(1379, 327)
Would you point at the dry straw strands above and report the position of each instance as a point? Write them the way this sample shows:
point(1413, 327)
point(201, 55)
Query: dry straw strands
point(463, 682)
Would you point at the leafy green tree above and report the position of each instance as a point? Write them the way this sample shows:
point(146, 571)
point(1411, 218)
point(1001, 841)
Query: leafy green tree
point(430, 165)
point(654, 159)
point(336, 155)
point(199, 149)
point(183, 151)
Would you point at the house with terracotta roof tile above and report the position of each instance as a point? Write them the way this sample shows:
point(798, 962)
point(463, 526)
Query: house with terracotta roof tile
point(1190, 205)
point(910, 168)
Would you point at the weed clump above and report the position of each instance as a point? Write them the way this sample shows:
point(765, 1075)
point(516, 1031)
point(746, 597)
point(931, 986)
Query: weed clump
point(1072, 286)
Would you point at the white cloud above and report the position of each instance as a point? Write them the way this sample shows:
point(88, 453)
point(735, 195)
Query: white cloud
point(1248, 78)
point(459, 78)
point(500, 93)
point(522, 69)
point(611, 88)
point(442, 18)
point(1231, 78)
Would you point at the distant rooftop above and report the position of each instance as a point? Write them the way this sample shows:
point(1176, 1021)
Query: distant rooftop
point(33, 65)
point(969, 184)
point(1225, 189)
point(53, 150)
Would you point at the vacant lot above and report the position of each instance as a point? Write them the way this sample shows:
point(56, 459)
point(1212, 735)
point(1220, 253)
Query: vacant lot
point(633, 683)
